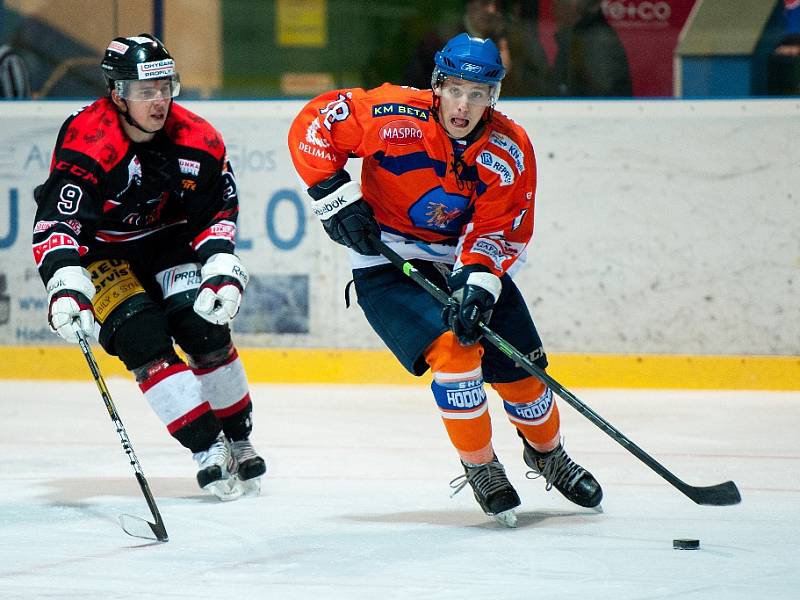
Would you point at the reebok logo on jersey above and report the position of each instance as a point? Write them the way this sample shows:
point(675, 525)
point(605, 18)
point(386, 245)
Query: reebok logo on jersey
point(401, 132)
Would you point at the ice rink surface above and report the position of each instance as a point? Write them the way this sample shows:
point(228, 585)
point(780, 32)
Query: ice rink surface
point(356, 502)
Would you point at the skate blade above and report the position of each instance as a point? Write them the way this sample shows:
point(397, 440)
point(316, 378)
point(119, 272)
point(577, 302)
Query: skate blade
point(225, 489)
point(249, 487)
point(507, 518)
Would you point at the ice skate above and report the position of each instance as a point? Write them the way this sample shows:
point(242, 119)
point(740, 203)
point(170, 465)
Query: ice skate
point(217, 470)
point(574, 482)
point(495, 494)
point(251, 467)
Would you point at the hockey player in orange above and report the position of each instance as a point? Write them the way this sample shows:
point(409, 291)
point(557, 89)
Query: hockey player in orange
point(448, 183)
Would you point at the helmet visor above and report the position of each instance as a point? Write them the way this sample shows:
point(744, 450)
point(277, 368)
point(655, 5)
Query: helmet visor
point(147, 90)
point(461, 90)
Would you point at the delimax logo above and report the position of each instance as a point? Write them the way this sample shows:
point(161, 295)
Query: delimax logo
point(401, 132)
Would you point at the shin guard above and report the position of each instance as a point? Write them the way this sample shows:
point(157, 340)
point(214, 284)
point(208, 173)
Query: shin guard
point(174, 394)
point(458, 389)
point(224, 385)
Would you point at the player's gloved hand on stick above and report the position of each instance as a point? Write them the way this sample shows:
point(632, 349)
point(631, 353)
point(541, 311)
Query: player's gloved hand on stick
point(474, 291)
point(69, 299)
point(222, 282)
point(346, 217)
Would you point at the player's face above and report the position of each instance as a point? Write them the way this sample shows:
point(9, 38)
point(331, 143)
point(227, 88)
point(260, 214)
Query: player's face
point(461, 105)
point(150, 104)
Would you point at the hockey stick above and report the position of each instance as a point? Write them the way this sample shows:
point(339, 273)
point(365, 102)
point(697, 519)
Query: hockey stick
point(723, 494)
point(132, 525)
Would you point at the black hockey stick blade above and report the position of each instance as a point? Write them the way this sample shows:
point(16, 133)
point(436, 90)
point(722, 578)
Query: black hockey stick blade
point(722, 494)
point(140, 528)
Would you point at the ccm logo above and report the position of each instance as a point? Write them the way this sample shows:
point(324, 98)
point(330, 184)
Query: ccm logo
point(401, 132)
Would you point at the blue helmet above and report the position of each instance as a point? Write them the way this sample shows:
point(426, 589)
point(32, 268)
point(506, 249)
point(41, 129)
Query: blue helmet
point(470, 58)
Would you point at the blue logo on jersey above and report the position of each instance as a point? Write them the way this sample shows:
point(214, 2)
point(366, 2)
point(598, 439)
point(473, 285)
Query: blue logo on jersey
point(439, 211)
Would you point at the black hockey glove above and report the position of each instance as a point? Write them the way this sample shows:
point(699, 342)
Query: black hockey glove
point(474, 291)
point(346, 217)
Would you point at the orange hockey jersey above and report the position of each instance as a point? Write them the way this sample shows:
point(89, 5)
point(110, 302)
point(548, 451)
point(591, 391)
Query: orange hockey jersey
point(434, 198)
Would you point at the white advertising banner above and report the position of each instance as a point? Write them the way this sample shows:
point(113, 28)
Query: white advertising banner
point(661, 227)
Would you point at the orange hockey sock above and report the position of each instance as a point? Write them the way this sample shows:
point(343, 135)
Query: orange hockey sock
point(531, 407)
point(458, 389)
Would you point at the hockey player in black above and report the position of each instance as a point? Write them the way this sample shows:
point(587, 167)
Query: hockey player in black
point(134, 240)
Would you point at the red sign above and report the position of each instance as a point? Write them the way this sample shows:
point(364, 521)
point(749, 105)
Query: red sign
point(649, 31)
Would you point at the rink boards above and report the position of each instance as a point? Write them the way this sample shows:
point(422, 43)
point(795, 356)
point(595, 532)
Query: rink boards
point(664, 255)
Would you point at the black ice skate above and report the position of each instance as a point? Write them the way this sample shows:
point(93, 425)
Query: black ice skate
point(561, 472)
point(217, 467)
point(251, 467)
point(492, 489)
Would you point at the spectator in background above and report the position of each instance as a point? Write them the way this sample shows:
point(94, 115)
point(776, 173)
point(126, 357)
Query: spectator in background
point(482, 18)
point(590, 60)
point(784, 64)
point(527, 70)
point(14, 78)
point(790, 44)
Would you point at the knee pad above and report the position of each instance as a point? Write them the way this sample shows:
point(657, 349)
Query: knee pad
point(213, 359)
point(195, 335)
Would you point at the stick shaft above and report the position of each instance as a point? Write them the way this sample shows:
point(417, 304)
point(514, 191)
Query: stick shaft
point(158, 527)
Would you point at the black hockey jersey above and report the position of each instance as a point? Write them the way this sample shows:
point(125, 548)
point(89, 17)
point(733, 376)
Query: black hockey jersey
point(105, 189)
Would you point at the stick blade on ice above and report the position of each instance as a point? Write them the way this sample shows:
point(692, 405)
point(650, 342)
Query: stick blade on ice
point(141, 528)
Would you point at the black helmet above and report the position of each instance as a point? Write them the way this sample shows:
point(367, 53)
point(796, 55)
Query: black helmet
point(137, 57)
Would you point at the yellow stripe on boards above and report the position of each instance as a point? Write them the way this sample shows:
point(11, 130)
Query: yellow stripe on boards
point(376, 367)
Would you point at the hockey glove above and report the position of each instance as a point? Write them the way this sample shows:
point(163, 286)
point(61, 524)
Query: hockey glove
point(346, 217)
point(222, 282)
point(474, 289)
point(69, 298)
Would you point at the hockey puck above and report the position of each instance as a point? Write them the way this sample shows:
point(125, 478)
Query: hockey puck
point(685, 544)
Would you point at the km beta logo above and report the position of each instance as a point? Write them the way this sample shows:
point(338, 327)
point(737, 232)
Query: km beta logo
point(401, 132)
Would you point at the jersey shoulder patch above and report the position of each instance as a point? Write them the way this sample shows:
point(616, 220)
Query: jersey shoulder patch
point(185, 128)
point(95, 132)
